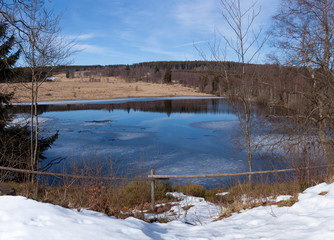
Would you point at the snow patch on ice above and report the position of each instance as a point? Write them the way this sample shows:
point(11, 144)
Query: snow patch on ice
point(216, 125)
point(125, 136)
point(22, 120)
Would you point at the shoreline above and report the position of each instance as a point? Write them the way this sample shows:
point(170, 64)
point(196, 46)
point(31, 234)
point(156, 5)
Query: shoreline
point(65, 89)
point(115, 100)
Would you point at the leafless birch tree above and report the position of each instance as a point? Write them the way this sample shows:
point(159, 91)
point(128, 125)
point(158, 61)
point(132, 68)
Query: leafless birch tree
point(246, 41)
point(304, 31)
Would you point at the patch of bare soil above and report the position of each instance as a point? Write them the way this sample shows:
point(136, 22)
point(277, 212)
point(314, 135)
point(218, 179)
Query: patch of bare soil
point(83, 88)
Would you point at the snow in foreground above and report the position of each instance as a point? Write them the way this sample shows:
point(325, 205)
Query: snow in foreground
point(310, 218)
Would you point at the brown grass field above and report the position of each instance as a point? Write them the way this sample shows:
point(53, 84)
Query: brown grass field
point(84, 88)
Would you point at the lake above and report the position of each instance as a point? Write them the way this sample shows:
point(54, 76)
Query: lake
point(172, 135)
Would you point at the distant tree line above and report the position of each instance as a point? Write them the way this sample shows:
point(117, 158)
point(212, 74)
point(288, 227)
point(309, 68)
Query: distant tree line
point(271, 84)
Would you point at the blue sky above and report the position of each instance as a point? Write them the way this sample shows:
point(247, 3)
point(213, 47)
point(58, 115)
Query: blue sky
point(132, 31)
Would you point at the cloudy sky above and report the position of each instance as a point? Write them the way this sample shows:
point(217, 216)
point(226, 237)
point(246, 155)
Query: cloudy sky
point(132, 31)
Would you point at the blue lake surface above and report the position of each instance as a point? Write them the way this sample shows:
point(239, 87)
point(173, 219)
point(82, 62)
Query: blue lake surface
point(180, 136)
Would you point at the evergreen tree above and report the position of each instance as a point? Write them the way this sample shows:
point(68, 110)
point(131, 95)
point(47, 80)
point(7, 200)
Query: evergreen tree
point(168, 75)
point(215, 83)
point(156, 69)
point(7, 58)
point(14, 140)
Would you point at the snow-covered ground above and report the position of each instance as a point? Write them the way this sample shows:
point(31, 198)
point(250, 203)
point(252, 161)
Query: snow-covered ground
point(190, 210)
point(312, 217)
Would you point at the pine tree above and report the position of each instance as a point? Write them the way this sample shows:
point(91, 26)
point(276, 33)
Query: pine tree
point(6, 61)
point(215, 83)
point(168, 75)
point(14, 140)
point(7, 58)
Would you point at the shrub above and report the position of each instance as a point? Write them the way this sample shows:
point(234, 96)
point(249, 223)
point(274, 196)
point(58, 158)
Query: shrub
point(191, 189)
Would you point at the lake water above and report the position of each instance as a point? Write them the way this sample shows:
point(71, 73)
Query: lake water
point(173, 135)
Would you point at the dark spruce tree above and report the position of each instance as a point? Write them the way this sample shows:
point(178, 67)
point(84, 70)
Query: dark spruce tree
point(7, 58)
point(215, 84)
point(14, 140)
point(168, 75)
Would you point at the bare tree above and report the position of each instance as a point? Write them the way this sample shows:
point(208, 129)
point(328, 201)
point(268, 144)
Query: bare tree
point(304, 31)
point(37, 33)
point(246, 42)
point(217, 53)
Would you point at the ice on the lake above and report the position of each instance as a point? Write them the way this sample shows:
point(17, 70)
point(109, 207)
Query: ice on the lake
point(216, 125)
point(23, 119)
point(125, 136)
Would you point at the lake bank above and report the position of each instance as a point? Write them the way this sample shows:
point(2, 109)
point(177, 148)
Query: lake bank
point(62, 88)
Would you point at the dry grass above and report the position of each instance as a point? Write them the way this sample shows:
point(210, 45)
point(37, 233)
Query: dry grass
point(245, 196)
point(83, 88)
point(122, 200)
point(116, 198)
point(133, 199)
point(190, 189)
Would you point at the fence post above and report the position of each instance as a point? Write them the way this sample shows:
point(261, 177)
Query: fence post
point(308, 175)
point(153, 190)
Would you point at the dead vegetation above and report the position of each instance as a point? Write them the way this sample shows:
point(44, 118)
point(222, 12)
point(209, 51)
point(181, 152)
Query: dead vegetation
point(133, 198)
point(124, 199)
point(83, 88)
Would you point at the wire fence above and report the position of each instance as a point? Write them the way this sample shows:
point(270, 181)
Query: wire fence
point(62, 175)
point(154, 177)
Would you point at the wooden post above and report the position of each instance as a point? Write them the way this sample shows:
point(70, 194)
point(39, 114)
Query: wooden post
point(153, 190)
point(308, 175)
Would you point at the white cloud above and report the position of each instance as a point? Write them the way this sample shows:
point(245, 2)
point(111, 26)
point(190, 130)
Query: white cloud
point(198, 14)
point(189, 44)
point(86, 36)
point(89, 48)
point(158, 50)
point(80, 37)
point(126, 35)
point(155, 46)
